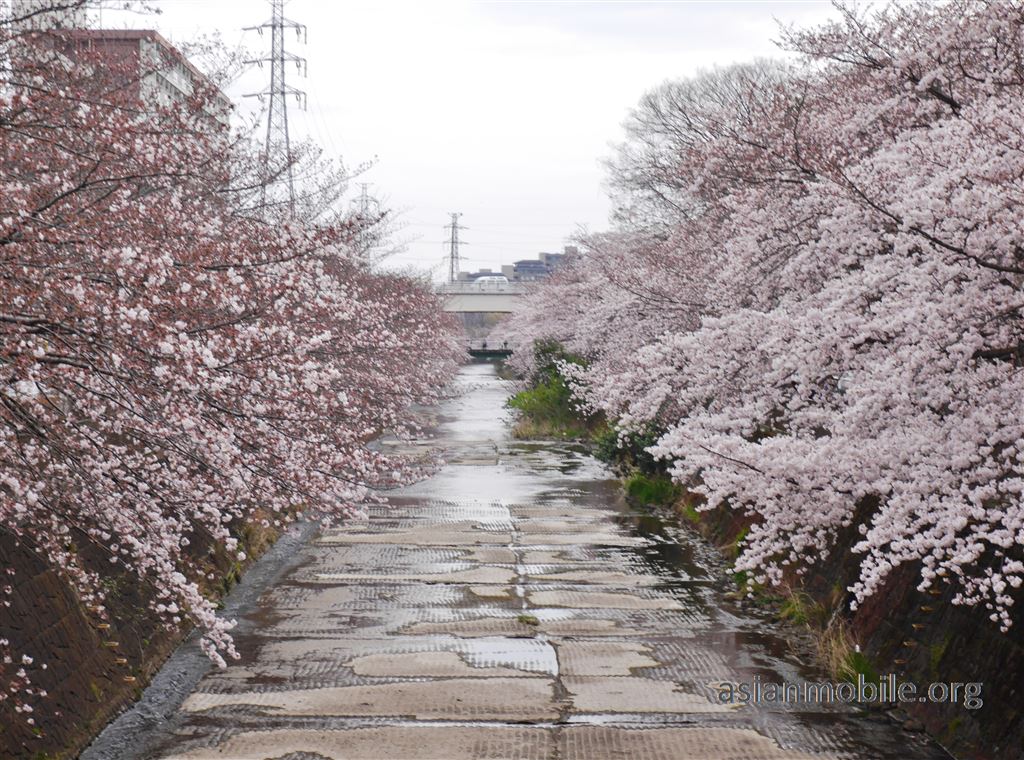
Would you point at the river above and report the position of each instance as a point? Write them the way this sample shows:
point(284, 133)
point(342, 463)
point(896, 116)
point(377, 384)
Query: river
point(511, 606)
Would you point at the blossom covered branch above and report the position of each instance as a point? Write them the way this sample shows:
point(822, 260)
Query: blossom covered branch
point(175, 359)
point(814, 293)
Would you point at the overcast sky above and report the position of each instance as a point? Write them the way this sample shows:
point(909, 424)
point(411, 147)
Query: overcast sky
point(499, 110)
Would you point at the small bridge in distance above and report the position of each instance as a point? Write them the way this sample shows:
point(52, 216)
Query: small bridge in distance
point(483, 350)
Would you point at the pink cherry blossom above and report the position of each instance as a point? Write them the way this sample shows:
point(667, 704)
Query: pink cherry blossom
point(812, 294)
point(176, 359)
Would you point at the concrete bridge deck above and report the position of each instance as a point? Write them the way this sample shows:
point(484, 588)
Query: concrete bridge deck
point(470, 298)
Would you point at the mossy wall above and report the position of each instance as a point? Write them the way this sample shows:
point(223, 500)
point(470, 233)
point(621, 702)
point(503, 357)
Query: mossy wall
point(95, 667)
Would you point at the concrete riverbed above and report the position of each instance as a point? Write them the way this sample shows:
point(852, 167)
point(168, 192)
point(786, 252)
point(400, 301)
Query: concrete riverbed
point(511, 606)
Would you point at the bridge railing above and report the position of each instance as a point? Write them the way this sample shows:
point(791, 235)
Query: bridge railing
point(489, 349)
point(470, 288)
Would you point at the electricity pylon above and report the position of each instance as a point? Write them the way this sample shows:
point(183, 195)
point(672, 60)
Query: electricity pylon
point(453, 247)
point(277, 155)
point(368, 209)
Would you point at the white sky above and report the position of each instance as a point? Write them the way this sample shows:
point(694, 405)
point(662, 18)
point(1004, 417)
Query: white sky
point(499, 110)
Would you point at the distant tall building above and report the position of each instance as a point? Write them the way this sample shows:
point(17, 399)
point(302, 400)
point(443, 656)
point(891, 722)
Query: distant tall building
point(152, 71)
point(522, 271)
point(539, 268)
point(162, 75)
point(473, 276)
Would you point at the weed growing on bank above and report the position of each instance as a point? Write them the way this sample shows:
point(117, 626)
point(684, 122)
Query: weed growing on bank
point(546, 405)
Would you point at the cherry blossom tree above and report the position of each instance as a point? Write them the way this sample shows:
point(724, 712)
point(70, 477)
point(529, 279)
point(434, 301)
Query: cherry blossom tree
point(176, 359)
point(815, 295)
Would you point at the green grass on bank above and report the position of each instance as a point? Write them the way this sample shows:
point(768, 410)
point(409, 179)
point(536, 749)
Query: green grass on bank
point(547, 411)
point(652, 489)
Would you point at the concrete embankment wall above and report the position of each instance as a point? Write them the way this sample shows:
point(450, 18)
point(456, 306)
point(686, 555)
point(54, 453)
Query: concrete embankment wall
point(94, 667)
point(922, 638)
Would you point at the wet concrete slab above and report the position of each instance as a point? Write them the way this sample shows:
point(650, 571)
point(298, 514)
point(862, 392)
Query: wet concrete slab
point(453, 534)
point(511, 606)
point(520, 699)
point(604, 658)
point(691, 743)
point(479, 574)
point(514, 626)
point(627, 694)
point(407, 742)
point(593, 576)
point(602, 600)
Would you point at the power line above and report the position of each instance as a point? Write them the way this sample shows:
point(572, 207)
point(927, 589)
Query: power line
point(277, 155)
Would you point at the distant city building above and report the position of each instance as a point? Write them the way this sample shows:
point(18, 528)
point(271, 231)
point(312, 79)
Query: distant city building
point(539, 268)
point(155, 74)
point(522, 271)
point(163, 75)
point(485, 275)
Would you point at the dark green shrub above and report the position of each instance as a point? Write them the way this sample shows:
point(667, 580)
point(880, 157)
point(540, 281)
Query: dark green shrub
point(652, 489)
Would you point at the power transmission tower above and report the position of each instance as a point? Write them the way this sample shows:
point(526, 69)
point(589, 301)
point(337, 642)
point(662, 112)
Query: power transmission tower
point(277, 155)
point(368, 210)
point(453, 247)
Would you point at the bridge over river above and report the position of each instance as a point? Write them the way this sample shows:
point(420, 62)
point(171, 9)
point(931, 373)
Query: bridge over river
point(481, 297)
point(510, 606)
